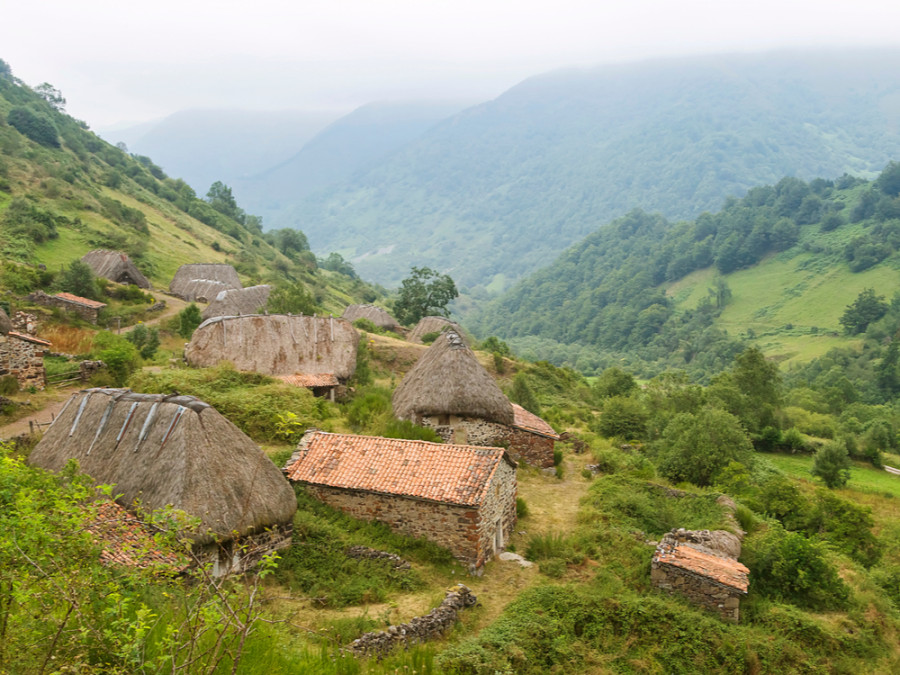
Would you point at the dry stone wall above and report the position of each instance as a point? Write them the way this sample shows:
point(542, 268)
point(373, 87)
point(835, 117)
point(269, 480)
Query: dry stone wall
point(498, 513)
point(23, 359)
point(531, 448)
point(90, 314)
point(700, 590)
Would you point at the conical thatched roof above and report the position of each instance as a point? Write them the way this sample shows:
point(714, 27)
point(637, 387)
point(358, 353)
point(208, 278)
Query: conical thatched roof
point(176, 450)
point(277, 344)
point(432, 324)
point(115, 266)
point(203, 281)
point(376, 315)
point(5, 323)
point(448, 380)
point(238, 301)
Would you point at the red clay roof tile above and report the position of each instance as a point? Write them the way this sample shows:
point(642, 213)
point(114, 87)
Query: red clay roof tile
point(452, 474)
point(81, 301)
point(29, 338)
point(127, 541)
point(527, 421)
point(725, 571)
point(309, 381)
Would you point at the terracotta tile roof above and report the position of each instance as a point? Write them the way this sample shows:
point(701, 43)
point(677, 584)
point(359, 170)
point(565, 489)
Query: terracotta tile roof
point(522, 419)
point(451, 474)
point(29, 338)
point(81, 301)
point(127, 541)
point(725, 571)
point(302, 380)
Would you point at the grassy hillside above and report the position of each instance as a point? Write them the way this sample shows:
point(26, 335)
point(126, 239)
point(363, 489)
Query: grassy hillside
point(492, 193)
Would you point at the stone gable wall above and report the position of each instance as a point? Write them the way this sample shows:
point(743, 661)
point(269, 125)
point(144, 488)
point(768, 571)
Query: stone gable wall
point(90, 314)
point(23, 359)
point(454, 527)
point(498, 513)
point(531, 448)
point(700, 590)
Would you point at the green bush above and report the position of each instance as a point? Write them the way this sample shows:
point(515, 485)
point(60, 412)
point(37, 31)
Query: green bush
point(120, 356)
point(832, 464)
point(36, 126)
point(394, 428)
point(521, 508)
point(366, 325)
point(428, 338)
point(550, 545)
point(363, 411)
point(622, 417)
point(188, 320)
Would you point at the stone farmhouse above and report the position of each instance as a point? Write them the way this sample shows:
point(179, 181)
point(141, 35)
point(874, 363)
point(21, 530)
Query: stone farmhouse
point(22, 355)
point(277, 344)
point(702, 566)
point(378, 316)
point(85, 308)
point(177, 451)
point(115, 266)
point(202, 282)
point(449, 391)
point(461, 497)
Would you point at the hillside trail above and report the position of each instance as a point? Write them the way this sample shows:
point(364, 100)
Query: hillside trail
point(55, 400)
point(553, 506)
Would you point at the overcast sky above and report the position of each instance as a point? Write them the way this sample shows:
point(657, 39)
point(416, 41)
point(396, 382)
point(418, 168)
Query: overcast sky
point(118, 61)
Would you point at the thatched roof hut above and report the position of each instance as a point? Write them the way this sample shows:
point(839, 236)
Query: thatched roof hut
point(238, 301)
point(115, 266)
point(277, 344)
point(203, 281)
point(432, 324)
point(376, 315)
point(5, 323)
point(170, 450)
point(449, 380)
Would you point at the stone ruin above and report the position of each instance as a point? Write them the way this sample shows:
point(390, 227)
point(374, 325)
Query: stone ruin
point(420, 629)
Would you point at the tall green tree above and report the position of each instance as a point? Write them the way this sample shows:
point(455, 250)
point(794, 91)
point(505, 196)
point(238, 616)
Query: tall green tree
point(867, 308)
point(78, 278)
point(424, 292)
point(832, 464)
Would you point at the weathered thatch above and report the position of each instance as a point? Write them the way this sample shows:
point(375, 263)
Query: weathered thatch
point(170, 450)
point(432, 324)
point(5, 323)
point(448, 380)
point(203, 281)
point(277, 344)
point(238, 301)
point(374, 314)
point(115, 266)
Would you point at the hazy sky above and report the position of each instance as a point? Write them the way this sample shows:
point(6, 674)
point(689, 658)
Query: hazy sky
point(118, 61)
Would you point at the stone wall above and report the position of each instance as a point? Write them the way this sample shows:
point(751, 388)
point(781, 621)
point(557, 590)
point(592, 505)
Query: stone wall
point(456, 528)
point(700, 590)
point(90, 314)
point(498, 513)
point(237, 557)
point(531, 448)
point(23, 359)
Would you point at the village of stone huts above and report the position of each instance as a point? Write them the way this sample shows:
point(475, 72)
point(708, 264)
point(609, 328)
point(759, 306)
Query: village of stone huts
point(361, 464)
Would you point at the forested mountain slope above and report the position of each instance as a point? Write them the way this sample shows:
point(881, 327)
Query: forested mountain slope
point(489, 194)
point(779, 266)
point(64, 191)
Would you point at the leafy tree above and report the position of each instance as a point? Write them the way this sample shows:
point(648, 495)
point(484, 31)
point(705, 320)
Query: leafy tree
point(495, 345)
point(78, 278)
point(5, 71)
point(832, 464)
point(622, 417)
point(614, 382)
point(188, 320)
point(335, 262)
point(291, 299)
point(889, 180)
point(751, 390)
point(52, 95)
point(36, 126)
point(521, 393)
point(424, 292)
point(867, 308)
point(120, 356)
point(697, 447)
point(145, 339)
point(220, 198)
point(289, 241)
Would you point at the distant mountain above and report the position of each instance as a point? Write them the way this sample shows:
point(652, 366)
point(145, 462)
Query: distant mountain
point(354, 142)
point(203, 146)
point(494, 192)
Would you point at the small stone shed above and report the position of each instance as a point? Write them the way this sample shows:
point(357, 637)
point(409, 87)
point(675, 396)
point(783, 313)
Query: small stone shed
point(170, 450)
point(699, 566)
point(461, 497)
point(115, 266)
point(203, 281)
point(324, 384)
point(87, 309)
point(380, 317)
point(431, 324)
point(531, 439)
point(238, 301)
point(22, 355)
point(277, 344)
point(449, 391)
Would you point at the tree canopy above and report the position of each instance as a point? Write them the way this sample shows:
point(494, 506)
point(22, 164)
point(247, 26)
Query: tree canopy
point(424, 292)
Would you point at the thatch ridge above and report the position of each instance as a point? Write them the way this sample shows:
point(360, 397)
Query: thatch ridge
point(449, 380)
point(238, 301)
point(380, 317)
point(115, 266)
point(161, 450)
point(432, 324)
point(277, 344)
point(203, 281)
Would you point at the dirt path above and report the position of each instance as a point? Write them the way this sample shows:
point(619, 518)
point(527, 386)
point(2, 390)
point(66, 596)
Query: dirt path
point(57, 399)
